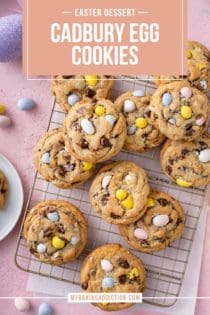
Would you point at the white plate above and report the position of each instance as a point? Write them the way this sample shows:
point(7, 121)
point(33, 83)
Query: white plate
point(11, 211)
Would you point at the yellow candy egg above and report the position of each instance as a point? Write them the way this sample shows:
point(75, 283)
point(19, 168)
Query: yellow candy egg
point(183, 183)
point(186, 111)
point(121, 194)
point(150, 202)
point(87, 166)
point(133, 273)
point(189, 54)
point(128, 202)
point(57, 242)
point(91, 79)
point(2, 109)
point(141, 123)
point(202, 66)
point(100, 110)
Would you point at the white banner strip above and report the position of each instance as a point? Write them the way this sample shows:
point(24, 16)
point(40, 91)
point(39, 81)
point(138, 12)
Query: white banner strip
point(104, 297)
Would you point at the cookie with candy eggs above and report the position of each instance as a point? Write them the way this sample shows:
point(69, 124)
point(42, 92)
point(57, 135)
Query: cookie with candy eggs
point(161, 224)
point(112, 268)
point(142, 134)
point(187, 163)
point(57, 165)
point(70, 89)
point(55, 231)
point(181, 111)
point(95, 130)
point(3, 189)
point(119, 192)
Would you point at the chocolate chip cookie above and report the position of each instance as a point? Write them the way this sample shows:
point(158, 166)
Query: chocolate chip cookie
point(162, 223)
point(141, 132)
point(187, 162)
point(56, 231)
point(95, 130)
point(57, 165)
point(70, 89)
point(112, 268)
point(181, 110)
point(119, 192)
point(3, 189)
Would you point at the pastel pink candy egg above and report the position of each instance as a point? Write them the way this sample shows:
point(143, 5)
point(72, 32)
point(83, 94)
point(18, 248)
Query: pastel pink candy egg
point(200, 121)
point(186, 92)
point(140, 234)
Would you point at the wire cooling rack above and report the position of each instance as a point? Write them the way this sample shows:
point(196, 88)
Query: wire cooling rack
point(165, 269)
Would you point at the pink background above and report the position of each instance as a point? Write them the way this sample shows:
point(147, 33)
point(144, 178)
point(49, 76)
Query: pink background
point(22, 136)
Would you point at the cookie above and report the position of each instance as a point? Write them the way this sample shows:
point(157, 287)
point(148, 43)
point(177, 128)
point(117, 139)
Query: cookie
point(55, 231)
point(119, 192)
point(187, 163)
point(141, 132)
point(181, 110)
point(95, 130)
point(3, 189)
point(70, 89)
point(57, 165)
point(112, 268)
point(162, 223)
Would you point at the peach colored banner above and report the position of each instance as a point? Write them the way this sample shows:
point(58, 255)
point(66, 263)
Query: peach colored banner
point(105, 37)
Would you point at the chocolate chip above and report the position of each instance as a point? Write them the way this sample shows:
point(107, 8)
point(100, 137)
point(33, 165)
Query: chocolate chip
point(3, 191)
point(90, 93)
point(203, 145)
point(163, 202)
point(148, 113)
point(67, 76)
point(94, 101)
point(107, 76)
point(105, 142)
point(184, 153)
point(178, 221)
point(84, 285)
point(104, 199)
point(170, 220)
point(171, 161)
point(122, 279)
point(169, 169)
point(189, 131)
point(66, 156)
point(32, 250)
point(47, 232)
point(124, 263)
point(84, 144)
point(75, 125)
point(144, 243)
point(115, 216)
point(61, 171)
point(60, 228)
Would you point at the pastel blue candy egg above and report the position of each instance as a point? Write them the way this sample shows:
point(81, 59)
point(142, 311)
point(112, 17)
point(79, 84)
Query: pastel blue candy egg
point(107, 282)
point(26, 104)
point(74, 240)
point(167, 99)
point(45, 309)
point(53, 216)
point(139, 93)
point(73, 98)
point(46, 158)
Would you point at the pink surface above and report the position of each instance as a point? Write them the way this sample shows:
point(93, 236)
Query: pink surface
point(22, 137)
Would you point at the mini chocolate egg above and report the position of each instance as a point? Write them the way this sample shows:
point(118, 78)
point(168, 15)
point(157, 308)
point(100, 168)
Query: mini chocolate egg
point(183, 183)
point(172, 121)
point(200, 121)
point(73, 99)
point(5, 122)
point(46, 158)
point(45, 309)
point(203, 84)
point(110, 119)
point(21, 304)
point(131, 130)
point(186, 92)
point(129, 106)
point(128, 202)
point(107, 282)
point(106, 265)
point(141, 234)
point(74, 240)
point(105, 181)
point(26, 104)
point(41, 248)
point(57, 242)
point(87, 126)
point(160, 220)
point(167, 99)
point(141, 122)
point(53, 216)
point(139, 93)
point(204, 156)
point(2, 109)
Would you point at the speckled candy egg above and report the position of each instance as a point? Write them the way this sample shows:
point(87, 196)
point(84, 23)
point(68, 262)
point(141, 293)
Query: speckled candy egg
point(5, 121)
point(26, 103)
point(45, 309)
point(22, 304)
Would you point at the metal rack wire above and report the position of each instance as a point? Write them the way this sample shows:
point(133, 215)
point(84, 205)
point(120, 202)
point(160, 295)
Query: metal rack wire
point(165, 269)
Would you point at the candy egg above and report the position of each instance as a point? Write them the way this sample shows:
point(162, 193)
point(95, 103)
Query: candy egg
point(139, 93)
point(87, 126)
point(141, 122)
point(121, 194)
point(141, 234)
point(73, 99)
point(200, 121)
point(150, 202)
point(131, 130)
point(87, 166)
point(167, 99)
point(41, 248)
point(2, 109)
point(26, 104)
point(21, 304)
point(160, 220)
point(46, 158)
point(110, 119)
point(45, 309)
point(186, 112)
point(74, 240)
point(186, 92)
point(105, 181)
point(204, 156)
point(53, 216)
point(106, 265)
point(107, 282)
point(202, 66)
point(100, 110)
point(129, 106)
point(183, 183)
point(189, 54)
point(91, 79)
point(5, 122)
point(128, 202)
point(203, 84)
point(133, 273)
point(57, 242)
point(172, 121)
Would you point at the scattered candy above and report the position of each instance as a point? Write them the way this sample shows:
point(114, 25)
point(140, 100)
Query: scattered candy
point(133, 273)
point(131, 130)
point(2, 109)
point(87, 166)
point(139, 93)
point(150, 202)
point(107, 282)
point(26, 103)
point(189, 54)
point(203, 84)
point(100, 110)
point(46, 158)
point(45, 309)
point(121, 194)
point(128, 202)
point(130, 178)
point(186, 92)
point(57, 242)
point(202, 66)
point(204, 156)
point(106, 265)
point(105, 181)
point(167, 99)
point(110, 119)
point(172, 121)
point(74, 240)
point(91, 79)
point(22, 304)
point(160, 220)
point(73, 99)
point(87, 126)
point(200, 121)
point(186, 112)
point(129, 106)
point(41, 248)
point(141, 122)
point(183, 183)
point(141, 234)
point(5, 122)
point(53, 216)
